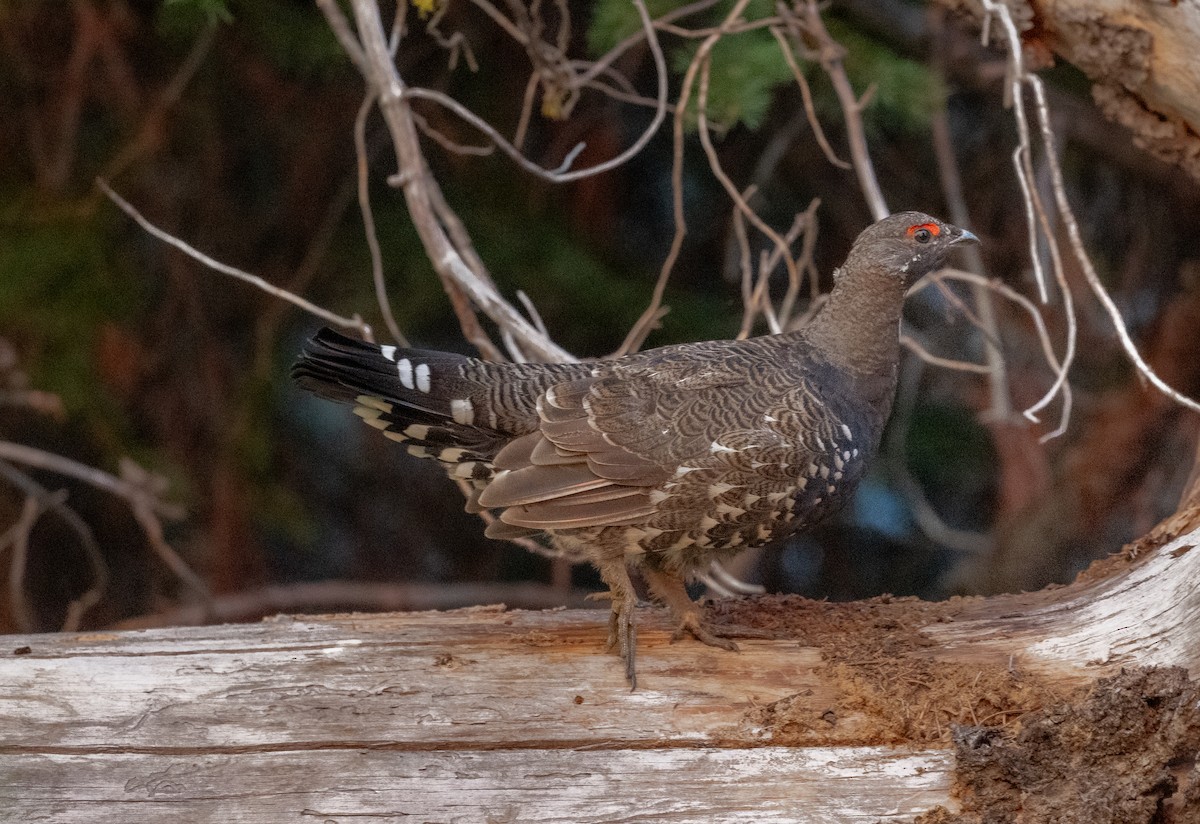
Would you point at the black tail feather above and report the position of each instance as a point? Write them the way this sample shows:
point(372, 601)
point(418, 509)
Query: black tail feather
point(406, 393)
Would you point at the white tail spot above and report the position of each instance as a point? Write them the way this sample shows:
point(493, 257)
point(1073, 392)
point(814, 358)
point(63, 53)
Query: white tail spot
point(404, 369)
point(423, 377)
point(846, 432)
point(463, 411)
point(388, 352)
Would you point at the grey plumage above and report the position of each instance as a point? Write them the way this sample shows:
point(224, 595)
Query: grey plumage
point(667, 458)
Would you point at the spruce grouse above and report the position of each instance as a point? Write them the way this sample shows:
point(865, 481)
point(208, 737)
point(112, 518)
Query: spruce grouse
point(665, 459)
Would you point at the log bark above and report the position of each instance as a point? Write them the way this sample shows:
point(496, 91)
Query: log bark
point(486, 714)
point(1140, 56)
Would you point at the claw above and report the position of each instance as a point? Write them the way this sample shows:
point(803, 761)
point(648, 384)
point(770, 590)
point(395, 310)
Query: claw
point(690, 624)
point(622, 631)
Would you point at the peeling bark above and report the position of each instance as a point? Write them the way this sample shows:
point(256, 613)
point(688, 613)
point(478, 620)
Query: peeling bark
point(1140, 55)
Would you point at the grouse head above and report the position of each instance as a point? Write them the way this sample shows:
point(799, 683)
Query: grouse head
point(907, 245)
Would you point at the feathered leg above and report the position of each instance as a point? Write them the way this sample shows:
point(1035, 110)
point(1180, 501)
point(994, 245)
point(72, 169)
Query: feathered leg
point(669, 589)
point(622, 629)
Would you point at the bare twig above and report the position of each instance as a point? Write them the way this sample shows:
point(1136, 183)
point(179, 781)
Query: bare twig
point(356, 323)
point(1021, 155)
point(534, 315)
point(135, 486)
point(806, 95)
point(50, 462)
point(568, 86)
point(455, 43)
point(149, 130)
point(56, 503)
point(918, 349)
point(804, 224)
point(831, 54)
point(724, 583)
point(414, 177)
point(345, 35)
point(925, 515)
point(599, 66)
point(1018, 77)
point(564, 173)
point(1067, 215)
point(1000, 407)
point(368, 217)
point(17, 537)
point(650, 317)
point(714, 162)
point(1058, 368)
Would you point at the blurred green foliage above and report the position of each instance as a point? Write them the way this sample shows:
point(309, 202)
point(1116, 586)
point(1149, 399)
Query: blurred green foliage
point(906, 93)
point(747, 68)
point(745, 71)
point(59, 280)
point(188, 16)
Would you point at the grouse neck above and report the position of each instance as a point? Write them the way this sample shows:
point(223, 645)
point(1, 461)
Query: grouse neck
point(859, 325)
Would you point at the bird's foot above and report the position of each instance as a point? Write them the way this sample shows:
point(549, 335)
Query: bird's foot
point(622, 628)
point(690, 623)
point(622, 634)
point(670, 590)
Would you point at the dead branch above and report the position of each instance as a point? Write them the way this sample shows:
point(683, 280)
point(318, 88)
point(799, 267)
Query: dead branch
point(140, 489)
point(37, 501)
point(807, 25)
point(356, 323)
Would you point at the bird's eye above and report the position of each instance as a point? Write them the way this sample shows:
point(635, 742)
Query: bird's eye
point(924, 232)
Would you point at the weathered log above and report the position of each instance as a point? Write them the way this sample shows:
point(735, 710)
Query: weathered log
point(1139, 55)
point(486, 714)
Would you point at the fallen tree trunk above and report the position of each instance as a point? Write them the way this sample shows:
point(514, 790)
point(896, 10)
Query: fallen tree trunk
point(855, 712)
point(1140, 57)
